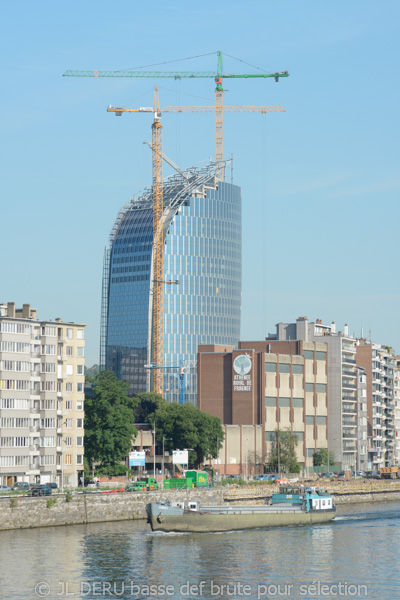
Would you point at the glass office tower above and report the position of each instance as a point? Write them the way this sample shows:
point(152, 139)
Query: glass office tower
point(202, 250)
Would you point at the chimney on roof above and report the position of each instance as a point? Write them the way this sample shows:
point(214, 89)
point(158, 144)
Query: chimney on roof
point(333, 327)
point(11, 309)
point(346, 330)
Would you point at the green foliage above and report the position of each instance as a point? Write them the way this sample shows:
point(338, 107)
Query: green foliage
point(68, 497)
point(111, 470)
point(283, 455)
point(148, 403)
point(13, 503)
point(185, 426)
point(109, 414)
point(51, 502)
point(321, 458)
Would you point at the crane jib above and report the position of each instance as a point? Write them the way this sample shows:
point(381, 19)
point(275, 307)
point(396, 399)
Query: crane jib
point(171, 74)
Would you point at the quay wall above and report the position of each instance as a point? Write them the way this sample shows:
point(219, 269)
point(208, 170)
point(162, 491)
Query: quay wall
point(24, 512)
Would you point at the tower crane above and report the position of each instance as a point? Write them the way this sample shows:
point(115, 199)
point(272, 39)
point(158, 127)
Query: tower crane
point(217, 75)
point(157, 183)
point(158, 246)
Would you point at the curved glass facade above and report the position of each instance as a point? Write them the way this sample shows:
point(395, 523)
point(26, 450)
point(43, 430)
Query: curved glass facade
point(202, 235)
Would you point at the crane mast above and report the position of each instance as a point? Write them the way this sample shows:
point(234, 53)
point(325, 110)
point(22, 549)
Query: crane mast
point(158, 248)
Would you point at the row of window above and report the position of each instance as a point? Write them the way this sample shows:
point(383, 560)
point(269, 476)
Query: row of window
point(283, 368)
point(15, 347)
point(14, 461)
point(14, 422)
point(6, 327)
point(309, 355)
point(15, 365)
point(284, 402)
point(69, 332)
point(15, 384)
point(14, 442)
point(15, 403)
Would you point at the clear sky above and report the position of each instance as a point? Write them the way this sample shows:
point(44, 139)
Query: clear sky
point(320, 182)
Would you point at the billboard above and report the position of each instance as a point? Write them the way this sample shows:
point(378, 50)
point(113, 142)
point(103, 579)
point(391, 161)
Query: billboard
point(180, 457)
point(137, 458)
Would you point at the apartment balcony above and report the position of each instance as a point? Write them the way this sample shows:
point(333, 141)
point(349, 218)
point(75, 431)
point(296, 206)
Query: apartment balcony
point(348, 347)
point(349, 386)
point(62, 357)
point(34, 448)
point(347, 373)
point(349, 398)
point(347, 360)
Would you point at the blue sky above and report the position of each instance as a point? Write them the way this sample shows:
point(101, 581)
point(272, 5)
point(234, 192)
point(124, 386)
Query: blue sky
point(320, 183)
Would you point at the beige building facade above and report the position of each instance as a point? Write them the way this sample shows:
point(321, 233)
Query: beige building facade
point(265, 386)
point(42, 379)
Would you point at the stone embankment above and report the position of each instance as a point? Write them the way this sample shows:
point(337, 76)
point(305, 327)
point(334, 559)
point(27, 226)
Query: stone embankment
point(344, 492)
point(61, 509)
point(95, 507)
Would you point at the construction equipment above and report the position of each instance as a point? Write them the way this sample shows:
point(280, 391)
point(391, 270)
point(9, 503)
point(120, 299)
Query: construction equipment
point(157, 182)
point(158, 247)
point(390, 472)
point(181, 368)
point(218, 76)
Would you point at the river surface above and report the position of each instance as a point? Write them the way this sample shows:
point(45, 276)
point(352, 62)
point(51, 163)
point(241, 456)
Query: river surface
point(356, 556)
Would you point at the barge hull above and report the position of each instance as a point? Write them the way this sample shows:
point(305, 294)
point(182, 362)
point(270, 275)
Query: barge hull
point(207, 522)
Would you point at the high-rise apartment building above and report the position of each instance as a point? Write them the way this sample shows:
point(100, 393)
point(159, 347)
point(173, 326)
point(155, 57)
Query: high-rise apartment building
point(379, 364)
point(397, 409)
point(41, 398)
point(202, 251)
point(361, 412)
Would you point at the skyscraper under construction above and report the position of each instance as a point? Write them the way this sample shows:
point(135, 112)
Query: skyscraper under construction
point(202, 251)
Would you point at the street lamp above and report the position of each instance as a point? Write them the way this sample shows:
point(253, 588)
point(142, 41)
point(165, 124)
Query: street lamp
point(246, 440)
point(62, 459)
point(154, 452)
point(163, 442)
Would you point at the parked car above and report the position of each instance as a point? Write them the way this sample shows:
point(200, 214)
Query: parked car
point(53, 485)
point(372, 475)
point(5, 488)
point(40, 489)
point(327, 474)
point(262, 478)
point(21, 486)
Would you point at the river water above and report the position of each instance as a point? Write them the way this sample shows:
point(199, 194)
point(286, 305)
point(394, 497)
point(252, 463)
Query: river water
point(356, 556)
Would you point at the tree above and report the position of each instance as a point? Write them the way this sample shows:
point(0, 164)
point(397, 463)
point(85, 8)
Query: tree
point(108, 420)
point(185, 426)
point(283, 454)
point(321, 458)
point(148, 403)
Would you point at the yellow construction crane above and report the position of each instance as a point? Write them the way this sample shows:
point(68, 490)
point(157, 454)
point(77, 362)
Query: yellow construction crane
point(157, 188)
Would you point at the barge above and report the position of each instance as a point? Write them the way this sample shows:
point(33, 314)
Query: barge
point(290, 506)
